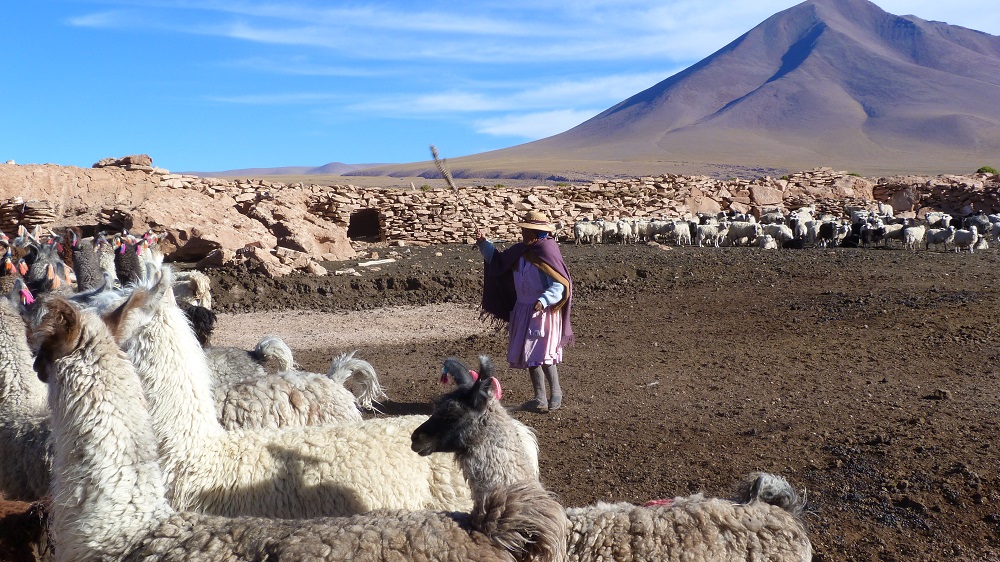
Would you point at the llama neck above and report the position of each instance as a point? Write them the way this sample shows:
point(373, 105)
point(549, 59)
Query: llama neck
point(500, 455)
point(172, 367)
point(107, 488)
point(21, 392)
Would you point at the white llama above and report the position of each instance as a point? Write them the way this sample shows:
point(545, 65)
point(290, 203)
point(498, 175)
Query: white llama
point(289, 472)
point(109, 495)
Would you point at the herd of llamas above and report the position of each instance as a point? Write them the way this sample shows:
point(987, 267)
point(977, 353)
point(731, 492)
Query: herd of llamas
point(138, 440)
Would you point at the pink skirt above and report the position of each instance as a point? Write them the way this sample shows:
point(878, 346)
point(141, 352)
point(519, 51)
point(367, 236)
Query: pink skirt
point(535, 337)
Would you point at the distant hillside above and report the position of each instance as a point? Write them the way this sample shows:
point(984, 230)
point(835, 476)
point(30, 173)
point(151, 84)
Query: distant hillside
point(838, 83)
point(331, 169)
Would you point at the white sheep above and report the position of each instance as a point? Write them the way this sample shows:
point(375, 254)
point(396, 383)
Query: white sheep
point(742, 233)
point(766, 242)
point(781, 232)
point(109, 496)
point(586, 232)
point(966, 239)
point(913, 235)
point(939, 236)
point(290, 472)
point(24, 413)
point(892, 232)
point(708, 234)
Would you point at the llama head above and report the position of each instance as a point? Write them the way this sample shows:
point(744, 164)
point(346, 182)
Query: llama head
point(55, 327)
point(202, 321)
point(453, 427)
point(140, 307)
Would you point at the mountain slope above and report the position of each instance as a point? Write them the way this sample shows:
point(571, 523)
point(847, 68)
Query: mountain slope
point(827, 82)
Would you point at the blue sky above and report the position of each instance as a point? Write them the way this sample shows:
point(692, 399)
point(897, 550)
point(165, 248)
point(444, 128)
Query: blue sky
point(212, 85)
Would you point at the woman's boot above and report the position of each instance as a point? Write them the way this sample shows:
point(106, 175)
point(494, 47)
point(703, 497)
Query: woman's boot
point(553, 375)
point(539, 402)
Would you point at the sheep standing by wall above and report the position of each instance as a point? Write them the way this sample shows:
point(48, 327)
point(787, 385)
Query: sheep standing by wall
point(913, 235)
point(966, 239)
point(939, 236)
point(109, 495)
point(290, 472)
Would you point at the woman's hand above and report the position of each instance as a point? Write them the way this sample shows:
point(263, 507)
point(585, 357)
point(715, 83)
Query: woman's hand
point(539, 306)
point(480, 236)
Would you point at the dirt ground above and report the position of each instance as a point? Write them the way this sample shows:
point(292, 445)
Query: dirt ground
point(869, 378)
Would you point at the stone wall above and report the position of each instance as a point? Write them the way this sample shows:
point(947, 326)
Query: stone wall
point(206, 215)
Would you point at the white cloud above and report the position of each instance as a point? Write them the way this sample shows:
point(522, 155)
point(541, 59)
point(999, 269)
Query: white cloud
point(534, 125)
point(276, 99)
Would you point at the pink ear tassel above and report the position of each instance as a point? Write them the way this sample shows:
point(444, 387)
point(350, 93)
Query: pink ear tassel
point(26, 297)
point(497, 391)
point(474, 375)
point(655, 503)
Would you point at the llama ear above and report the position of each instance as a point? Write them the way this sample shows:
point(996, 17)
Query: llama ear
point(137, 301)
point(458, 372)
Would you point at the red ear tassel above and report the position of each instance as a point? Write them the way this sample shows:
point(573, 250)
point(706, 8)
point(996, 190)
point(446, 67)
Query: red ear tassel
point(444, 376)
point(22, 267)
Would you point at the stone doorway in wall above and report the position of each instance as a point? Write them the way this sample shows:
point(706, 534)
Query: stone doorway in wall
point(366, 225)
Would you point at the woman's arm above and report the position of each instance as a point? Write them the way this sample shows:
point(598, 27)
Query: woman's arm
point(486, 248)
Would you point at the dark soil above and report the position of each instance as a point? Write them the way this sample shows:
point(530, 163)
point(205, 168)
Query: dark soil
point(870, 378)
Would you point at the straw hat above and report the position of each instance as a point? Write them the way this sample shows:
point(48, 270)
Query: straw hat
point(536, 220)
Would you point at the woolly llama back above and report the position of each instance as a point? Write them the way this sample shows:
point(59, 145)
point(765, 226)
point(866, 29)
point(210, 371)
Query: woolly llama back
point(289, 472)
point(109, 494)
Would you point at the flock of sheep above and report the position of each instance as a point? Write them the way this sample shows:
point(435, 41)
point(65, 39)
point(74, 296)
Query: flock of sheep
point(152, 445)
point(799, 229)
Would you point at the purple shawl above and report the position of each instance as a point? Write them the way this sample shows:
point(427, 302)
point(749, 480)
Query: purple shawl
point(499, 295)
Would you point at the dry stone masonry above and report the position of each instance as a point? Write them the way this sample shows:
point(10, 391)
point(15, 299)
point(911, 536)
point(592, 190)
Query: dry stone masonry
point(292, 226)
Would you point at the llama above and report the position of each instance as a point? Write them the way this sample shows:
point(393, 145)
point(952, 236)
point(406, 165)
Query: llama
point(24, 423)
point(289, 472)
point(248, 397)
point(762, 525)
point(232, 365)
point(109, 496)
point(299, 398)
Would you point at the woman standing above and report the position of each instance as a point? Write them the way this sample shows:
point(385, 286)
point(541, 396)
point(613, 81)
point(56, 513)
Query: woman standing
point(528, 287)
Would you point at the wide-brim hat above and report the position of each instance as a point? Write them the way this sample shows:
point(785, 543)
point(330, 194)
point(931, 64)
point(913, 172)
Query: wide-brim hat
point(536, 220)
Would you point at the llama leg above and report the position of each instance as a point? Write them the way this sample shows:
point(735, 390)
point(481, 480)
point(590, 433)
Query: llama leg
point(538, 384)
point(552, 374)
